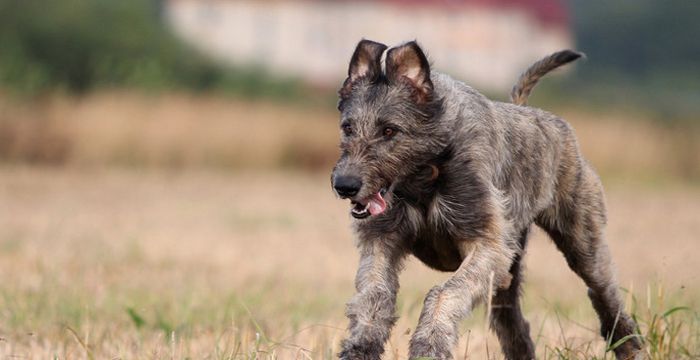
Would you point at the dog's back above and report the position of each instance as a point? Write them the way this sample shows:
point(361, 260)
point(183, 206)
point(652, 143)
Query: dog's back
point(522, 151)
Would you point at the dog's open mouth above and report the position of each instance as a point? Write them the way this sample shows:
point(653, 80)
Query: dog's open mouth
point(370, 206)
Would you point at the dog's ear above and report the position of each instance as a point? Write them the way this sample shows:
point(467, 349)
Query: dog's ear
point(366, 60)
point(365, 63)
point(408, 63)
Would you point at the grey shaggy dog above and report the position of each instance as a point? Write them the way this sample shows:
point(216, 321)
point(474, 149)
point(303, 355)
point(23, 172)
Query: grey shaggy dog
point(435, 169)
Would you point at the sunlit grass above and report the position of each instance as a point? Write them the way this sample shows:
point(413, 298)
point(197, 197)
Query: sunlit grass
point(136, 265)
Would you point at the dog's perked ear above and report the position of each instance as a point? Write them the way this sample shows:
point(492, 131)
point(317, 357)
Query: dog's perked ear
point(366, 60)
point(408, 63)
point(365, 63)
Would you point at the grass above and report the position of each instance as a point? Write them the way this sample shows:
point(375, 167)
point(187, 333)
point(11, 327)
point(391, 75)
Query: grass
point(128, 242)
point(127, 264)
point(178, 131)
point(667, 332)
point(171, 131)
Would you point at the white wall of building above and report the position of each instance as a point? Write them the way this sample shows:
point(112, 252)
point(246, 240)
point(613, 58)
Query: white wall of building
point(487, 47)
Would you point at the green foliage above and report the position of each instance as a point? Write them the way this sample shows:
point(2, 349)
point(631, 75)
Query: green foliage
point(80, 45)
point(160, 322)
point(135, 317)
point(669, 334)
point(640, 38)
point(666, 332)
point(642, 52)
point(164, 325)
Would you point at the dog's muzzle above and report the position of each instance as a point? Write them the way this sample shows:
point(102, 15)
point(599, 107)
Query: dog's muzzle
point(370, 206)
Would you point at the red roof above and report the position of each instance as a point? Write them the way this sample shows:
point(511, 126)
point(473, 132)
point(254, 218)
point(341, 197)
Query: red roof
point(548, 11)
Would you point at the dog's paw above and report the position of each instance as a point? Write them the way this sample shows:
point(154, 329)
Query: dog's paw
point(631, 350)
point(424, 350)
point(361, 351)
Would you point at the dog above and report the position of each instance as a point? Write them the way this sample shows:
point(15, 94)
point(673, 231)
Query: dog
point(434, 169)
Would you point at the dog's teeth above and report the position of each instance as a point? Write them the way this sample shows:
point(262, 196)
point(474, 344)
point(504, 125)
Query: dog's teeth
point(359, 212)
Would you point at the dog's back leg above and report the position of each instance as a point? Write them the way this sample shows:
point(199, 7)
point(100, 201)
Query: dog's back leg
point(575, 223)
point(507, 319)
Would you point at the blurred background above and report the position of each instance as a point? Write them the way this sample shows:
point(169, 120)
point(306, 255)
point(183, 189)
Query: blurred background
point(164, 166)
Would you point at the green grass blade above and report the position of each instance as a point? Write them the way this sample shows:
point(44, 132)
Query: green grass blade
point(676, 309)
point(137, 319)
point(618, 343)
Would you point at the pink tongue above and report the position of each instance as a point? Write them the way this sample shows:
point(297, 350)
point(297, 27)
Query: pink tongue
point(377, 205)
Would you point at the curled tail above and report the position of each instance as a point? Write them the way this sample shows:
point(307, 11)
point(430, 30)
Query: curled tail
point(529, 78)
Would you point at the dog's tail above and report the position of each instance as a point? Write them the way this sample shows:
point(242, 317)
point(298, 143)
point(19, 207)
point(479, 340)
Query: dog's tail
point(529, 78)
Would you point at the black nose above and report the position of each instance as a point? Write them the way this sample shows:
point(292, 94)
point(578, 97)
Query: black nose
point(347, 186)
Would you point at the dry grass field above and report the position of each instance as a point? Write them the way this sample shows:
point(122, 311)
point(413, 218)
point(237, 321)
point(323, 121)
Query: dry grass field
point(151, 264)
point(177, 227)
point(184, 131)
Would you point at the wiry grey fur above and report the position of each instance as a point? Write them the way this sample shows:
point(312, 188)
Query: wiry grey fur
point(466, 179)
point(529, 78)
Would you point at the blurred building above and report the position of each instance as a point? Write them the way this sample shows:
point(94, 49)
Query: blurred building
point(485, 42)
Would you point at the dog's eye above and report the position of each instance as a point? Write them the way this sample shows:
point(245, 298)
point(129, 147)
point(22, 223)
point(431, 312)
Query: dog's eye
point(347, 129)
point(388, 132)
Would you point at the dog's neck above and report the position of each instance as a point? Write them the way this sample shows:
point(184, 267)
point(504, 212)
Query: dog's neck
point(419, 188)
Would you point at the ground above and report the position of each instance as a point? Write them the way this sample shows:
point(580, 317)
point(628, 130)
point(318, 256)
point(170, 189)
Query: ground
point(136, 263)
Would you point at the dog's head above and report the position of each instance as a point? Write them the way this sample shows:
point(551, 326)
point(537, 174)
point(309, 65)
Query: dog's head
point(388, 126)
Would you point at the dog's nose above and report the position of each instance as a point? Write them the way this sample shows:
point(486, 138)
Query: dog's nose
point(347, 186)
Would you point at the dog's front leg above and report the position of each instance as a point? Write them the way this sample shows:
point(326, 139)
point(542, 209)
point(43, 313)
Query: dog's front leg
point(371, 310)
point(485, 264)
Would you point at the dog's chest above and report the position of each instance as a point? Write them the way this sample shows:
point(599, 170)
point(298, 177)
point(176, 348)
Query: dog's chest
point(436, 250)
point(434, 244)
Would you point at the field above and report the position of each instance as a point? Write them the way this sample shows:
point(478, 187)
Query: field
point(125, 264)
point(154, 239)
